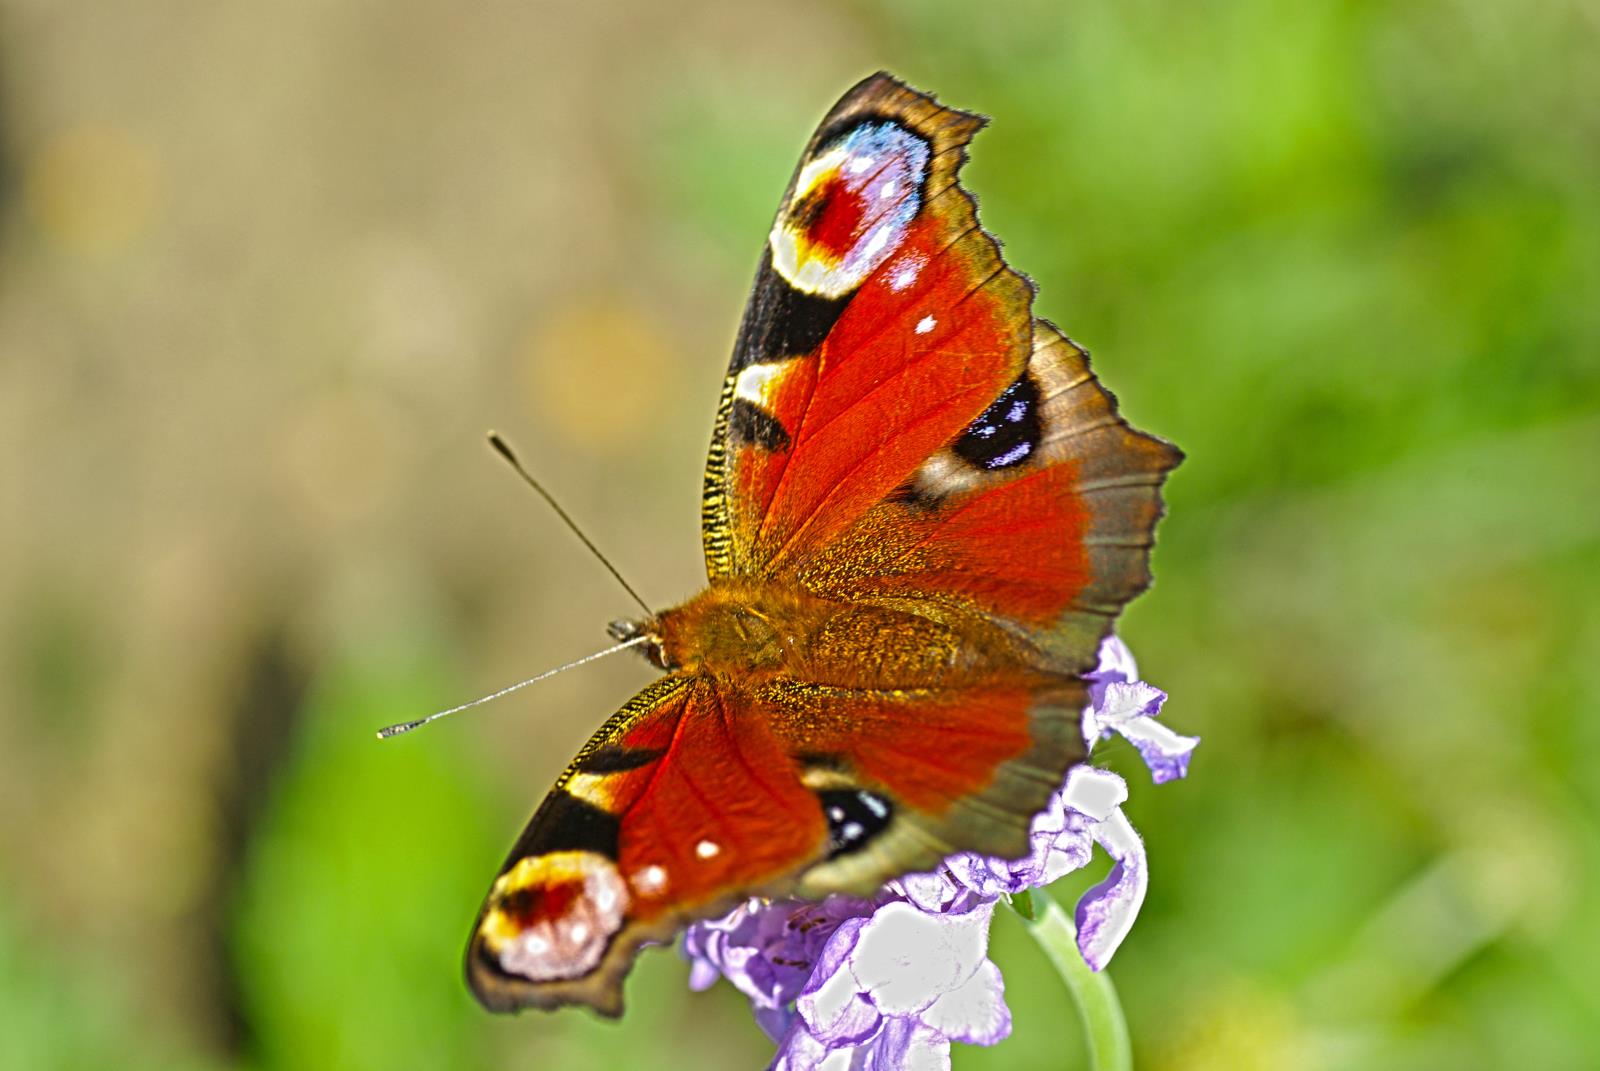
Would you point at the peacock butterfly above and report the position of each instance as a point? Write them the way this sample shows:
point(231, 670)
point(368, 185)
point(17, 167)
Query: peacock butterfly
point(921, 515)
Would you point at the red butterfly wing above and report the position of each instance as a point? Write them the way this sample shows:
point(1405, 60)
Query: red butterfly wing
point(882, 322)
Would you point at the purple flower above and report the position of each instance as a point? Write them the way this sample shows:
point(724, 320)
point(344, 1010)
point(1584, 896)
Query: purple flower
point(889, 982)
point(1120, 703)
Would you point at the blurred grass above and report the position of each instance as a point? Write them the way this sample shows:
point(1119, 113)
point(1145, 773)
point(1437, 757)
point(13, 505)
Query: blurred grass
point(273, 269)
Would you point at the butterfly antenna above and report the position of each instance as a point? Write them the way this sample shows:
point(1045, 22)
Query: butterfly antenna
point(407, 726)
point(504, 451)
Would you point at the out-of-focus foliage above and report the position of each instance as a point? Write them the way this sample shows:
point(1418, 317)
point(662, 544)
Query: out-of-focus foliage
point(266, 271)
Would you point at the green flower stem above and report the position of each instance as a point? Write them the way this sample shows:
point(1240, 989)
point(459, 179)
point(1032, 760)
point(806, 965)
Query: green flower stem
point(1103, 1023)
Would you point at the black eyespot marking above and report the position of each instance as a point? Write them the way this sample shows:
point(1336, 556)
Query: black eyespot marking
point(565, 823)
point(612, 759)
point(1007, 433)
point(780, 321)
point(748, 423)
point(854, 817)
point(822, 760)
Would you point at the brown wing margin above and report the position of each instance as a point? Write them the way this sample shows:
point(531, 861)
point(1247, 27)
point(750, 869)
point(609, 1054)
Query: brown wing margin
point(1118, 475)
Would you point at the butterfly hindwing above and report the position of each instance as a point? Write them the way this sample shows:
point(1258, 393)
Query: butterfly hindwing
point(959, 766)
point(704, 791)
point(1039, 515)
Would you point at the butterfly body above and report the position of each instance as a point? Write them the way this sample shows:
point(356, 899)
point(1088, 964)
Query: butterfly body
point(921, 515)
point(751, 632)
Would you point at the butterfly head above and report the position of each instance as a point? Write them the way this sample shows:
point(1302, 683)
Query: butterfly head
point(625, 631)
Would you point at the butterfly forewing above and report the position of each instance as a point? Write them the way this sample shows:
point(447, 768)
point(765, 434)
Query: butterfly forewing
point(881, 323)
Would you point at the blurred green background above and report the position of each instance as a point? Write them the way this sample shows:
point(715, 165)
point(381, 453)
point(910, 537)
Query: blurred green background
point(267, 272)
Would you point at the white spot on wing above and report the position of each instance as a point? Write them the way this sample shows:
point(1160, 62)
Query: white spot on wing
point(706, 849)
point(925, 325)
point(756, 381)
point(650, 879)
point(590, 788)
point(886, 191)
point(875, 244)
point(858, 164)
point(905, 273)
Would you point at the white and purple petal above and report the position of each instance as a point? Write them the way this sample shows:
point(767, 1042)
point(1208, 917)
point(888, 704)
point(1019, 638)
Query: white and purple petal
point(1130, 709)
point(906, 958)
point(1116, 665)
point(906, 1045)
point(832, 1006)
point(975, 1012)
point(1106, 912)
